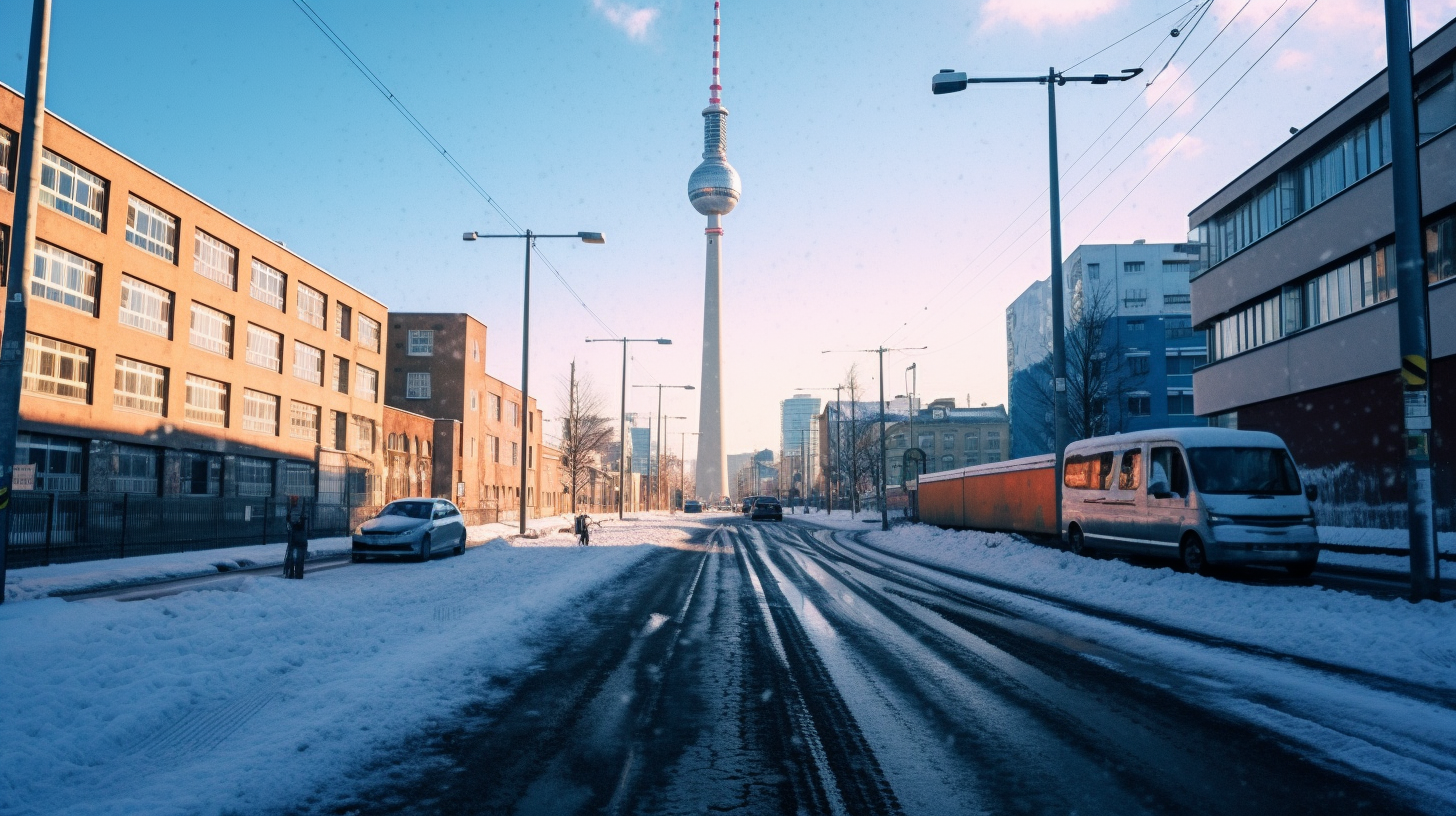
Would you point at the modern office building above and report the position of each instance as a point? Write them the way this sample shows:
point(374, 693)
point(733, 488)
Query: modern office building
point(643, 454)
point(950, 437)
point(173, 351)
point(1296, 284)
point(798, 439)
point(1134, 299)
point(436, 369)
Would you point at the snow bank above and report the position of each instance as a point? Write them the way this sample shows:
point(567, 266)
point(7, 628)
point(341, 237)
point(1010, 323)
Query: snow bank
point(86, 576)
point(1395, 638)
point(255, 699)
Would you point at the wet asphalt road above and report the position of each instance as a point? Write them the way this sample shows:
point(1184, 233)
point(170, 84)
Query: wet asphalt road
point(775, 669)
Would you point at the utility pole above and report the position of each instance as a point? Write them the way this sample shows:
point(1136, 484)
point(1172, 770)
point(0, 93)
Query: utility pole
point(622, 446)
point(951, 81)
point(1412, 305)
point(884, 473)
point(22, 261)
point(657, 483)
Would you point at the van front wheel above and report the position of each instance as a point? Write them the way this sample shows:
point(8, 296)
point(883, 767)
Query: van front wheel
point(1077, 543)
point(1192, 555)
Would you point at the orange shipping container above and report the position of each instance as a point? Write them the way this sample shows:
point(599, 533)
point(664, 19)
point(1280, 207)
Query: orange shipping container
point(1016, 496)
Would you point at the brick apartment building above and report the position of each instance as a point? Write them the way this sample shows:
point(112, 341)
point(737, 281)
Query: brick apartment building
point(173, 351)
point(436, 371)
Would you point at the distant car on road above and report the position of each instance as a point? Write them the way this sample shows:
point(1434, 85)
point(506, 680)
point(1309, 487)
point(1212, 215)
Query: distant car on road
point(692, 507)
point(767, 507)
point(418, 528)
point(748, 503)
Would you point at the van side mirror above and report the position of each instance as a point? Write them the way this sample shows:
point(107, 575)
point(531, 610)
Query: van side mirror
point(1311, 492)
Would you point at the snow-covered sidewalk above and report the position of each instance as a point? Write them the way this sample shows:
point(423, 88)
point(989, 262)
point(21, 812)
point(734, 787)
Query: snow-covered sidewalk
point(249, 700)
point(1394, 638)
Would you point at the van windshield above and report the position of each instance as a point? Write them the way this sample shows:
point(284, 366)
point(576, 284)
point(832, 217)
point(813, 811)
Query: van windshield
point(1244, 470)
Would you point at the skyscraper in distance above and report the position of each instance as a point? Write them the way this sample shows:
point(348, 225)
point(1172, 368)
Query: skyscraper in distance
point(713, 190)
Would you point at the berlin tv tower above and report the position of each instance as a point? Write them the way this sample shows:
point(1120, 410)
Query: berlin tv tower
point(713, 189)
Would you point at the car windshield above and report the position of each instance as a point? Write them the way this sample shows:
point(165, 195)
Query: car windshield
point(414, 509)
point(1244, 470)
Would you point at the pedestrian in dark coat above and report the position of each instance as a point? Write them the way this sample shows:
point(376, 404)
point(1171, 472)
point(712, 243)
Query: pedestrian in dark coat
point(297, 539)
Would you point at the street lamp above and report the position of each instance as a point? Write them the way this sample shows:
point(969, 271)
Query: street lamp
point(880, 482)
point(530, 238)
point(657, 483)
point(661, 429)
point(682, 455)
point(951, 81)
point(622, 454)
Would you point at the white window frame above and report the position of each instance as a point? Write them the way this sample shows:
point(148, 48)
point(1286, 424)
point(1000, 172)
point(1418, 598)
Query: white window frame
point(421, 343)
point(366, 383)
point(139, 387)
point(365, 429)
point(145, 307)
point(256, 356)
point(369, 332)
point(417, 385)
point(259, 410)
point(312, 305)
point(65, 278)
point(207, 401)
point(151, 229)
point(215, 259)
point(57, 369)
point(268, 285)
point(304, 421)
point(216, 332)
point(85, 196)
point(308, 362)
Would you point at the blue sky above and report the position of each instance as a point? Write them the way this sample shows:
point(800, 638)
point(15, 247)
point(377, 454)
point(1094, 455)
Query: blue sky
point(869, 205)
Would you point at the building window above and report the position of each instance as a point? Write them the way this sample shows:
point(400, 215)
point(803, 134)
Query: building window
point(133, 470)
point(494, 442)
point(64, 277)
point(947, 462)
point(268, 284)
point(1134, 298)
point(201, 474)
point(255, 477)
point(212, 330)
point(369, 333)
point(1177, 328)
point(474, 400)
point(515, 414)
point(1139, 365)
point(73, 190)
point(145, 307)
point(947, 441)
point(308, 363)
point(1094, 271)
point(367, 384)
point(1139, 405)
point(140, 387)
point(260, 412)
point(1180, 402)
point(1184, 364)
point(57, 460)
point(341, 375)
point(151, 229)
point(363, 435)
point(515, 454)
point(475, 350)
point(421, 342)
point(417, 385)
point(1135, 325)
point(494, 401)
point(341, 429)
point(54, 368)
point(207, 401)
point(471, 447)
point(214, 260)
point(925, 441)
point(1176, 303)
point(297, 479)
point(265, 348)
point(303, 421)
point(1183, 269)
point(7, 139)
point(1133, 267)
point(973, 459)
point(343, 320)
point(312, 305)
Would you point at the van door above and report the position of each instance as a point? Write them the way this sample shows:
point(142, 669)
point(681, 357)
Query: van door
point(1168, 511)
point(1093, 477)
point(1126, 505)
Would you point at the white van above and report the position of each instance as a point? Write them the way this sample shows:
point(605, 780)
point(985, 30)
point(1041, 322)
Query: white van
point(1206, 496)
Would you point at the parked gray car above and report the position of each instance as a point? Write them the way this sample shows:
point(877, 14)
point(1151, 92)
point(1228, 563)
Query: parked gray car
point(418, 528)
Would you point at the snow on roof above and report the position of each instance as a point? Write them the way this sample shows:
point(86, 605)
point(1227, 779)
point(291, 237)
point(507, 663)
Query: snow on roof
point(1188, 437)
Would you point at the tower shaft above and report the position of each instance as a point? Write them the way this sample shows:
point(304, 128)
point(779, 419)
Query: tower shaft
point(712, 466)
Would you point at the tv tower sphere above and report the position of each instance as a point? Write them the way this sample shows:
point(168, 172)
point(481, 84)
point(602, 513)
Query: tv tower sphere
point(713, 188)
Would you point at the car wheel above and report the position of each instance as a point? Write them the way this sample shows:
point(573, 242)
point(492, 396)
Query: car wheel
point(460, 548)
point(1192, 555)
point(1301, 569)
point(425, 548)
point(1077, 542)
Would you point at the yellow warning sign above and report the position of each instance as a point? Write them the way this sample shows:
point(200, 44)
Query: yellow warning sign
point(1413, 369)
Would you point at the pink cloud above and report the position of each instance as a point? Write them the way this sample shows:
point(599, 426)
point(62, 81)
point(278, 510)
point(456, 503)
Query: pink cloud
point(1039, 14)
point(630, 19)
point(1189, 147)
point(1292, 59)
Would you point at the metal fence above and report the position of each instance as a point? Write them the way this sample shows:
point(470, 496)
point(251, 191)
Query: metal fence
point(59, 528)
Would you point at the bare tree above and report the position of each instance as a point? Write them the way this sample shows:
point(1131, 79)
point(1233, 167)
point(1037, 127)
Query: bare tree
point(585, 434)
point(1096, 377)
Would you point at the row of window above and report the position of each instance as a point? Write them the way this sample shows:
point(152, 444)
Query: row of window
point(948, 439)
point(1139, 364)
point(59, 466)
point(1363, 149)
point(418, 386)
point(1365, 281)
point(1180, 268)
point(75, 191)
point(1180, 403)
point(1137, 297)
point(493, 450)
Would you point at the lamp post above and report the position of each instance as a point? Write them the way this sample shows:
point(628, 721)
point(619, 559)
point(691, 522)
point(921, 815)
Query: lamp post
point(950, 81)
point(657, 483)
point(622, 454)
point(530, 238)
point(662, 429)
point(682, 455)
point(880, 482)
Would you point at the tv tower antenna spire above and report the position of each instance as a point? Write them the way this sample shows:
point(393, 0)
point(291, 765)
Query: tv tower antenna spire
point(713, 190)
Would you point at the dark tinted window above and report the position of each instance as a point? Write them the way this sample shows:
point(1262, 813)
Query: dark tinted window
point(1167, 467)
point(412, 509)
point(1244, 470)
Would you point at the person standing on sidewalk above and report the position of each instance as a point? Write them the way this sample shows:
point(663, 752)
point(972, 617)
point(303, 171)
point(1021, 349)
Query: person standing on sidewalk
point(297, 539)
